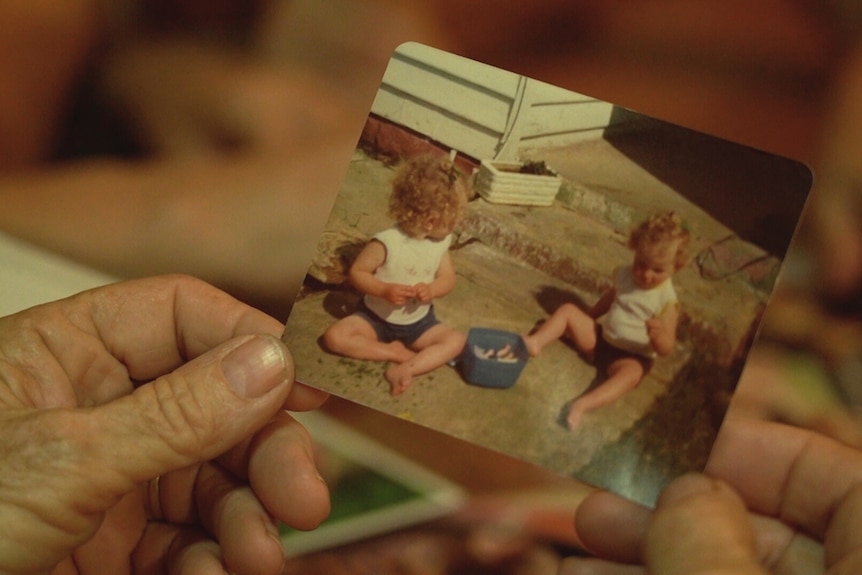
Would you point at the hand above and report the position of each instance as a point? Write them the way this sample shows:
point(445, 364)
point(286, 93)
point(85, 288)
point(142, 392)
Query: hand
point(398, 294)
point(803, 496)
point(166, 378)
point(655, 328)
point(658, 335)
point(422, 292)
point(662, 331)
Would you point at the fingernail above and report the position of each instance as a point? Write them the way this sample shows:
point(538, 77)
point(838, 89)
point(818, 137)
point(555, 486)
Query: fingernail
point(255, 367)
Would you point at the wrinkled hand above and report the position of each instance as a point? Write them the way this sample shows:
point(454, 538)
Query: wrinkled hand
point(775, 499)
point(164, 377)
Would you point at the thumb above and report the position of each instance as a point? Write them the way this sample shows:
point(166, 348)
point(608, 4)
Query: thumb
point(701, 526)
point(196, 412)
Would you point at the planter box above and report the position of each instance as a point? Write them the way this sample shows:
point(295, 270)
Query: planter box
point(501, 183)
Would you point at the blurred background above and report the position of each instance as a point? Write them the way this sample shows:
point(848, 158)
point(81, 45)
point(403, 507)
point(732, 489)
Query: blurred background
point(210, 137)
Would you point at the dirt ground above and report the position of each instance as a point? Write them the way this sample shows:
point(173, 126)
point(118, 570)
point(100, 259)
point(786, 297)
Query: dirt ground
point(515, 265)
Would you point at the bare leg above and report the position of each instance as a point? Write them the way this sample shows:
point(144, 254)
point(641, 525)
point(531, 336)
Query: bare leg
point(569, 320)
point(623, 376)
point(436, 346)
point(354, 337)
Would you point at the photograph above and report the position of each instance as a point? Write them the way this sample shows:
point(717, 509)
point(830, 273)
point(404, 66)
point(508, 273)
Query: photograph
point(373, 490)
point(543, 273)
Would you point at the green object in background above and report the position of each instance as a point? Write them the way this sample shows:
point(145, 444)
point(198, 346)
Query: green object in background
point(811, 380)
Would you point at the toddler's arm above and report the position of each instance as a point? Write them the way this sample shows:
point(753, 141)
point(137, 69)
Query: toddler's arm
point(362, 276)
point(662, 330)
point(602, 306)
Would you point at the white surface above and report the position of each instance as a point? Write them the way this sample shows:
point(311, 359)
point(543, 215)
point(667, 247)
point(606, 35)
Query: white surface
point(480, 110)
point(30, 275)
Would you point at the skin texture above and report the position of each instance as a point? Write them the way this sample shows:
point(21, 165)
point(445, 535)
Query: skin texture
point(164, 377)
point(774, 499)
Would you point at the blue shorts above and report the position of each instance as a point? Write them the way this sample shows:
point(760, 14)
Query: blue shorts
point(389, 332)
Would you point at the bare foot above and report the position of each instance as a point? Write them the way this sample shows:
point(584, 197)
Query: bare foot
point(576, 413)
point(399, 378)
point(532, 347)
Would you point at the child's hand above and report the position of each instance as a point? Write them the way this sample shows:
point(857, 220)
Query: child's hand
point(398, 294)
point(423, 292)
point(655, 327)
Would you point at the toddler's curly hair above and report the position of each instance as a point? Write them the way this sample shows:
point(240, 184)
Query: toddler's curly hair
point(662, 228)
point(427, 185)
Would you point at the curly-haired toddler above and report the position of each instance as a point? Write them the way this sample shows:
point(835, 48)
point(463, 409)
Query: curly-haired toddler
point(633, 321)
point(401, 271)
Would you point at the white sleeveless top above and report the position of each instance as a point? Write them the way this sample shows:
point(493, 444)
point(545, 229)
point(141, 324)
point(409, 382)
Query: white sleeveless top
point(624, 326)
point(409, 261)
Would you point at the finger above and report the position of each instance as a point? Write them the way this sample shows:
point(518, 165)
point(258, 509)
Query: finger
point(700, 526)
point(90, 348)
point(792, 474)
point(614, 528)
point(178, 550)
point(170, 496)
point(185, 317)
point(784, 550)
point(108, 551)
point(305, 398)
point(283, 474)
point(47, 361)
point(230, 511)
point(843, 538)
point(191, 415)
point(279, 463)
point(81, 458)
point(611, 526)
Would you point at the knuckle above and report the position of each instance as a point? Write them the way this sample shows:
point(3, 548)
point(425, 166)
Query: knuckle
point(185, 421)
